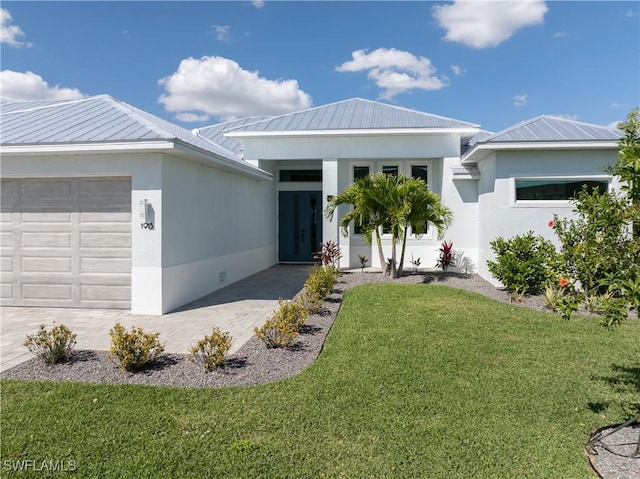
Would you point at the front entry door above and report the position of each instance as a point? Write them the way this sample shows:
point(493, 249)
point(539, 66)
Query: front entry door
point(300, 225)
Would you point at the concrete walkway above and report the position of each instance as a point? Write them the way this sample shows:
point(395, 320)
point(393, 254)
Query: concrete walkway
point(238, 309)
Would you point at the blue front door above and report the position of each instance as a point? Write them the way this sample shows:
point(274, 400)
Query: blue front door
point(300, 225)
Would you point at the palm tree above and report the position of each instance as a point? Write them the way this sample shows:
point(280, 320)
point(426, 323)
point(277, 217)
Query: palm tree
point(395, 202)
point(420, 207)
point(366, 197)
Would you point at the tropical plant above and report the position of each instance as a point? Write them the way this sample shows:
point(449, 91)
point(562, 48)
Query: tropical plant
point(394, 202)
point(329, 254)
point(363, 261)
point(415, 263)
point(447, 256)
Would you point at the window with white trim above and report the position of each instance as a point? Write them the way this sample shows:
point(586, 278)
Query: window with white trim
point(555, 189)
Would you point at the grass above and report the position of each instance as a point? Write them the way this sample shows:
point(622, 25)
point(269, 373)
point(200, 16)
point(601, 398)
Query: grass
point(414, 381)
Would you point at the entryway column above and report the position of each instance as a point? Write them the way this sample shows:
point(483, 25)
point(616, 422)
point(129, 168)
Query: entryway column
point(331, 229)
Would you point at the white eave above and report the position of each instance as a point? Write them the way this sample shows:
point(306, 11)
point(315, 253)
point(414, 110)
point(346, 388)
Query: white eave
point(481, 150)
point(351, 132)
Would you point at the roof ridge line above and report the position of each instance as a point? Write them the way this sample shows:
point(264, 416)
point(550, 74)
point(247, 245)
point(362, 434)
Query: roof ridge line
point(55, 103)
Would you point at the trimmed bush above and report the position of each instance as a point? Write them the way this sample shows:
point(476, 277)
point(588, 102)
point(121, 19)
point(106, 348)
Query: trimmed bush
point(133, 349)
point(53, 346)
point(524, 263)
point(311, 301)
point(282, 328)
point(321, 280)
point(210, 351)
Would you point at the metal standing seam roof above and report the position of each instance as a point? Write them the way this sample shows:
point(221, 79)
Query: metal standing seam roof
point(215, 133)
point(353, 114)
point(547, 128)
point(98, 119)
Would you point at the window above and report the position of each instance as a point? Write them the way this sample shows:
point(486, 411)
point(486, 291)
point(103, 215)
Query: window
point(419, 172)
point(391, 170)
point(360, 172)
point(301, 175)
point(555, 189)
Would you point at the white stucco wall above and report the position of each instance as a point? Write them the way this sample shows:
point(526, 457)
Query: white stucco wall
point(206, 221)
point(501, 215)
point(218, 228)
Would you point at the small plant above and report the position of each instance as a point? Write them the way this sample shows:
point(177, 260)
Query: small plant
point(595, 303)
point(282, 328)
point(568, 305)
point(53, 346)
point(616, 311)
point(133, 349)
point(363, 262)
point(329, 255)
point(415, 263)
point(387, 271)
point(552, 297)
point(311, 301)
point(321, 281)
point(447, 256)
point(210, 351)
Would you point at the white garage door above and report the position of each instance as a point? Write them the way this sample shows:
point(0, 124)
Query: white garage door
point(66, 242)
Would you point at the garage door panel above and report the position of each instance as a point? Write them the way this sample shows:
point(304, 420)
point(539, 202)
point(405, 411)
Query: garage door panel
point(105, 265)
point(66, 242)
point(45, 291)
point(48, 214)
point(45, 239)
point(46, 264)
point(45, 188)
point(105, 240)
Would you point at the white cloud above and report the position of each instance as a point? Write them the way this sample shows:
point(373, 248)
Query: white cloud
point(222, 32)
point(617, 106)
point(458, 70)
point(614, 124)
point(566, 116)
point(9, 33)
point(560, 35)
point(192, 117)
point(219, 87)
point(18, 86)
point(258, 3)
point(631, 14)
point(395, 71)
point(520, 100)
point(487, 23)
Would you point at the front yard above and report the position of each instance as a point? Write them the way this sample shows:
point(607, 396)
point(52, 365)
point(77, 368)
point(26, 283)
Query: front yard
point(414, 381)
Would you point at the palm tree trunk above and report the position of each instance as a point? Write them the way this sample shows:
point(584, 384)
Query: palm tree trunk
point(404, 248)
point(383, 263)
point(394, 271)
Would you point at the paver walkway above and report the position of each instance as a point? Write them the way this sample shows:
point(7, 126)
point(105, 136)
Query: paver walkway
point(238, 309)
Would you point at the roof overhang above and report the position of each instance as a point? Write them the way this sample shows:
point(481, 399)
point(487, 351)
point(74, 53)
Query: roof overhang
point(481, 150)
point(353, 132)
point(173, 147)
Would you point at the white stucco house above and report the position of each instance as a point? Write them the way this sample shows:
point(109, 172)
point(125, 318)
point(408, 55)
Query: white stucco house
point(104, 205)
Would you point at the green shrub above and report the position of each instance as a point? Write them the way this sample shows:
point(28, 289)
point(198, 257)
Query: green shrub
point(282, 328)
point(524, 263)
point(133, 349)
point(53, 346)
point(552, 297)
point(210, 351)
point(321, 280)
point(597, 246)
point(311, 301)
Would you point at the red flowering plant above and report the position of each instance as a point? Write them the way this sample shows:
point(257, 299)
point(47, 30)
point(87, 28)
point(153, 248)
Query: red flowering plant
point(568, 302)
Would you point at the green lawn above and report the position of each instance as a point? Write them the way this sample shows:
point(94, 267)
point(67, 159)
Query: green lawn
point(414, 381)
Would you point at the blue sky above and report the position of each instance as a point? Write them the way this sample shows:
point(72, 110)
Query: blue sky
point(196, 63)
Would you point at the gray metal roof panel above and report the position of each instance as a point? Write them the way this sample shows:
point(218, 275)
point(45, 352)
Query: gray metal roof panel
point(354, 114)
point(96, 119)
point(551, 128)
point(215, 133)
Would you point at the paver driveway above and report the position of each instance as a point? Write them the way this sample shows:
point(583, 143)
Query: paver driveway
point(238, 308)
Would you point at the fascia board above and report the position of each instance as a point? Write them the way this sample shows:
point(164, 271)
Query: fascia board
point(353, 132)
point(481, 151)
